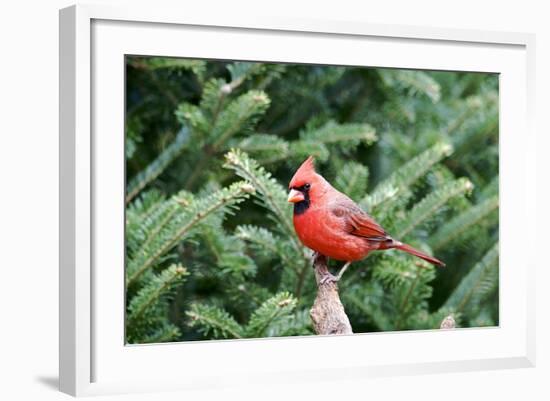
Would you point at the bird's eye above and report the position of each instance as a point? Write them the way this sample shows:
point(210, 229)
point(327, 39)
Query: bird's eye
point(307, 186)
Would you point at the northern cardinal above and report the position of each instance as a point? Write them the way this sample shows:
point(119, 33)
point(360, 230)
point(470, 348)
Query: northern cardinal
point(330, 223)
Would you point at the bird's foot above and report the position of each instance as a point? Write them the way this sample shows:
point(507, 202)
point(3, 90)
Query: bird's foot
point(328, 278)
point(314, 256)
point(342, 270)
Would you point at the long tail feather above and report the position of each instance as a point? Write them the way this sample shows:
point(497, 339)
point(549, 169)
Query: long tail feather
point(416, 252)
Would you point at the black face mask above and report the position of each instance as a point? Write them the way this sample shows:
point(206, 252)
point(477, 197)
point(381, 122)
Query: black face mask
point(302, 206)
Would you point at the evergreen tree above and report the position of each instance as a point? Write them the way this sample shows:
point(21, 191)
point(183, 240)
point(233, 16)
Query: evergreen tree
point(210, 148)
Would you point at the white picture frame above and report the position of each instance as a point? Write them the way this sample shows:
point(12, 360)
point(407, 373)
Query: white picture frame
point(93, 357)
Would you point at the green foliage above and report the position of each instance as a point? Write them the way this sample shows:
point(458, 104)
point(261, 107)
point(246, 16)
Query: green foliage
point(265, 321)
point(345, 137)
point(463, 222)
point(179, 219)
point(395, 185)
point(146, 308)
point(271, 194)
point(211, 320)
point(212, 257)
point(273, 318)
point(478, 285)
point(352, 179)
point(413, 82)
point(429, 205)
point(158, 165)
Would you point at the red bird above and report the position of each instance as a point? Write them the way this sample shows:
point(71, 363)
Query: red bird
point(330, 223)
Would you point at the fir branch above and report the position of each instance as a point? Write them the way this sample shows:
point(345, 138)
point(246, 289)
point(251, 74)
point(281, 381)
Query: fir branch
point(352, 180)
point(315, 141)
point(153, 224)
point(413, 81)
point(144, 205)
point(347, 135)
point(156, 288)
point(295, 324)
point(269, 191)
point(155, 168)
point(428, 206)
point(367, 300)
point(216, 91)
point(483, 317)
point(214, 95)
point(180, 226)
point(240, 71)
point(470, 107)
point(155, 63)
point(300, 150)
point(211, 319)
point(192, 116)
point(265, 240)
point(394, 273)
point(406, 284)
point(238, 117)
point(490, 189)
point(228, 250)
point(147, 230)
point(461, 223)
point(272, 195)
point(139, 211)
point(401, 179)
point(480, 281)
point(165, 333)
point(272, 310)
point(405, 301)
point(264, 148)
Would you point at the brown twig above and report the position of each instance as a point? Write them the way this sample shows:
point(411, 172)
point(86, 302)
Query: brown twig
point(448, 323)
point(328, 314)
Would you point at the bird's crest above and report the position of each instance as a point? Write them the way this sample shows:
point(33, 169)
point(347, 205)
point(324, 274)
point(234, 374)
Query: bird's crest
point(304, 173)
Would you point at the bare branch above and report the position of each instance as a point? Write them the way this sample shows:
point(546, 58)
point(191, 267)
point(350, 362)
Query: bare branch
point(448, 323)
point(328, 314)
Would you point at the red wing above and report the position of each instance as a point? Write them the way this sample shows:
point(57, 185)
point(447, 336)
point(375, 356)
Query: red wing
point(360, 223)
point(364, 226)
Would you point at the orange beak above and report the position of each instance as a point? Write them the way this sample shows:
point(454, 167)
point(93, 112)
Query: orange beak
point(295, 196)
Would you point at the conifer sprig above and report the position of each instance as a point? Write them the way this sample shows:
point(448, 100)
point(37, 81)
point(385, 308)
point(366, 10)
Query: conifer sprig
point(463, 222)
point(155, 168)
point(274, 309)
point(478, 283)
point(265, 241)
point(155, 221)
point(427, 208)
point(265, 148)
point(346, 135)
point(268, 190)
point(215, 321)
point(352, 179)
point(190, 215)
point(238, 117)
point(164, 332)
point(227, 250)
point(197, 66)
point(406, 175)
point(413, 81)
point(160, 286)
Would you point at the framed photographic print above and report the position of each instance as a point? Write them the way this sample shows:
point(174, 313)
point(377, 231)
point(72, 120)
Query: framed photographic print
point(278, 199)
